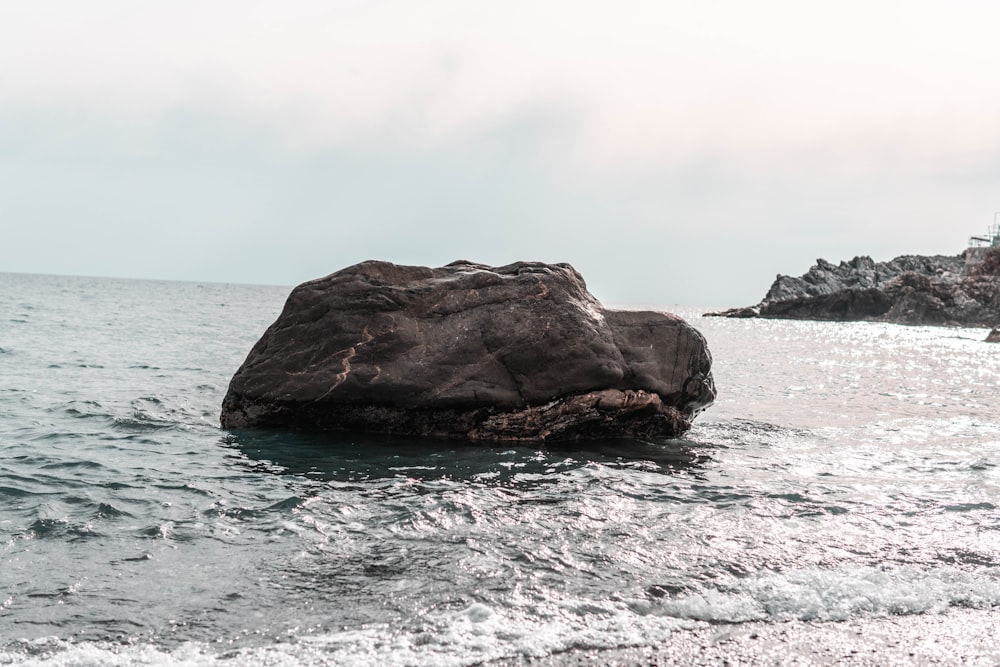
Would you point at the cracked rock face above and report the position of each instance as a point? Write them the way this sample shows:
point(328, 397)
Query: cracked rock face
point(519, 352)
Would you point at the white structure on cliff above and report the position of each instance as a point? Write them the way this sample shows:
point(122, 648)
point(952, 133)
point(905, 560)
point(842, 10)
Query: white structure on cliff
point(990, 241)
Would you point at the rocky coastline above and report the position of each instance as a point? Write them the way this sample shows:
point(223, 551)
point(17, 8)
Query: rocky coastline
point(518, 352)
point(960, 290)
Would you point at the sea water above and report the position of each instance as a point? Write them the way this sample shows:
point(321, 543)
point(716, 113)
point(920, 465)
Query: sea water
point(847, 471)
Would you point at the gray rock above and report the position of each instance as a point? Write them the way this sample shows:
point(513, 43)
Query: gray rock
point(912, 289)
point(519, 352)
point(860, 273)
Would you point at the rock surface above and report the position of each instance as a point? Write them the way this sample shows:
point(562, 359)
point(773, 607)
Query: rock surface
point(519, 352)
point(934, 290)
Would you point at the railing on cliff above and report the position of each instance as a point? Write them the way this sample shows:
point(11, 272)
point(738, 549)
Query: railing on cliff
point(992, 240)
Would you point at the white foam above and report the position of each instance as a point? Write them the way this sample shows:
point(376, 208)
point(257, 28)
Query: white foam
point(470, 636)
point(59, 653)
point(528, 627)
point(837, 594)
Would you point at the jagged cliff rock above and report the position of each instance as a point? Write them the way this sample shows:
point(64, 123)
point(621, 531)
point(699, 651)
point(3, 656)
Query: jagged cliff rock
point(518, 352)
point(939, 290)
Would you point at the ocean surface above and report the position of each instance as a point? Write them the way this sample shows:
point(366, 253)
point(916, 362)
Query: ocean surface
point(847, 472)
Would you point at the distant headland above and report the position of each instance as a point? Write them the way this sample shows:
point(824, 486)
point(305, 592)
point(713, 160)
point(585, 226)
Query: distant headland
point(959, 290)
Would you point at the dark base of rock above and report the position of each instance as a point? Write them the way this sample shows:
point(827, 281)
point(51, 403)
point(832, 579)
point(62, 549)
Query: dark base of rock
point(600, 414)
point(608, 413)
point(737, 313)
point(847, 305)
point(994, 336)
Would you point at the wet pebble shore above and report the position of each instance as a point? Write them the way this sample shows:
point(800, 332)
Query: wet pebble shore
point(959, 637)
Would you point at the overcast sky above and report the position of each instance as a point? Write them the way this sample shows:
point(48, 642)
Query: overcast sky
point(676, 152)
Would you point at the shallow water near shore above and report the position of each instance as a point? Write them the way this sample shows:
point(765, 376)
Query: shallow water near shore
point(847, 473)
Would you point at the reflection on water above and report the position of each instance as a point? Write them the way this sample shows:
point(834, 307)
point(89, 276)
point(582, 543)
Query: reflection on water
point(361, 456)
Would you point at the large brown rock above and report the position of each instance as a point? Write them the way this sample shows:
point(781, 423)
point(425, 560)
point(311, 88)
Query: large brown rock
point(522, 351)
